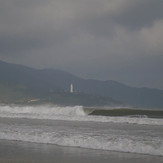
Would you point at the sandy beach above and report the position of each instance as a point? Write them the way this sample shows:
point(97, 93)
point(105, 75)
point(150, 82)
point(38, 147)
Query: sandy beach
point(19, 152)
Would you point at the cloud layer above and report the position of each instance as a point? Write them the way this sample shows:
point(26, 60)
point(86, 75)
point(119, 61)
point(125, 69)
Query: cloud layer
point(107, 39)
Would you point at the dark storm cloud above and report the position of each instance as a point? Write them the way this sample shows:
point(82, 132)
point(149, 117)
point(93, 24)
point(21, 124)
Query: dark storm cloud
point(141, 13)
point(106, 39)
point(132, 14)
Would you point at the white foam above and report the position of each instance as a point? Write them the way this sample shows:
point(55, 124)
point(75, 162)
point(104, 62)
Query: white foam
point(43, 110)
point(86, 137)
point(130, 143)
point(75, 113)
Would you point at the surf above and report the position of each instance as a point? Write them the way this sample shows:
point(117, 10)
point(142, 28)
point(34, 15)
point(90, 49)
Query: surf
point(73, 113)
point(84, 135)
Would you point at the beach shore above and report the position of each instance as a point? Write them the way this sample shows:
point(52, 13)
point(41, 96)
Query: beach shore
point(24, 152)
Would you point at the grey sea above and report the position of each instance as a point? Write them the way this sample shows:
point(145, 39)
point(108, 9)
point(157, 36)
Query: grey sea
point(49, 133)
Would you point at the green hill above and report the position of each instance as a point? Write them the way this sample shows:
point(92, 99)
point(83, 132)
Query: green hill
point(20, 83)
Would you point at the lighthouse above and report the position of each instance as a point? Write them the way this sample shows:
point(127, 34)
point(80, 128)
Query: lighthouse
point(71, 88)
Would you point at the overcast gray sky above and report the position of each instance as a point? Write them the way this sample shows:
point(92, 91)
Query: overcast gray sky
point(118, 40)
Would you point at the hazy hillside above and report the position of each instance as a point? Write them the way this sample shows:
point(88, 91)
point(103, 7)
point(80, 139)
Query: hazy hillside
point(27, 82)
point(20, 84)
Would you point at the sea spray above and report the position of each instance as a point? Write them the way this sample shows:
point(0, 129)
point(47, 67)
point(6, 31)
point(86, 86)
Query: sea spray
point(75, 113)
point(39, 124)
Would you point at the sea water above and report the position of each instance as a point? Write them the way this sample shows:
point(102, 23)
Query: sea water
point(75, 127)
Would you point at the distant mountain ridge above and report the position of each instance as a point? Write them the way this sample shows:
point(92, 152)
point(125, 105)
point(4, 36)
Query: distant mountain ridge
point(41, 82)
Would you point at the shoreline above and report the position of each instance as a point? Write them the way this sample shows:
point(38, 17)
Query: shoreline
point(18, 151)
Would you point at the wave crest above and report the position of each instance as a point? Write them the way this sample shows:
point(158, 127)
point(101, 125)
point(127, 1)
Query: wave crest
point(75, 113)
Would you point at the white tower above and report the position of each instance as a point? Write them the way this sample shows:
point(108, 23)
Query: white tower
point(71, 88)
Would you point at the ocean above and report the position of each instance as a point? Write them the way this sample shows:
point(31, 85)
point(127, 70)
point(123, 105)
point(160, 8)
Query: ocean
point(86, 128)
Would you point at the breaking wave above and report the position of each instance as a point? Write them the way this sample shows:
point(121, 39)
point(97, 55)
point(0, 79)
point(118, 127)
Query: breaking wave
point(76, 113)
point(102, 141)
point(142, 141)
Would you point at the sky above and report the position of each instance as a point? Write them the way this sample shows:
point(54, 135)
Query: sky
point(118, 40)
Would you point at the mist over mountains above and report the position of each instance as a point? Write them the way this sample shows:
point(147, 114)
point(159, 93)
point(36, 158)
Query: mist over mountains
point(18, 82)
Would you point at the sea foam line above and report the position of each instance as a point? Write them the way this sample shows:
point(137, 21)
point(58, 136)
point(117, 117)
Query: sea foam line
point(84, 140)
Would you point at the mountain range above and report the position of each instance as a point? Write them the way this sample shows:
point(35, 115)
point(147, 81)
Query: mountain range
point(20, 83)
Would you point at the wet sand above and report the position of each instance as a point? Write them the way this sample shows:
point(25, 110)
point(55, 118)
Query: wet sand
point(24, 152)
